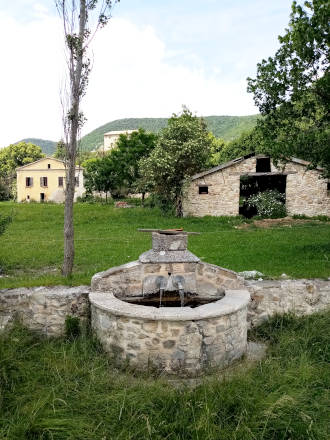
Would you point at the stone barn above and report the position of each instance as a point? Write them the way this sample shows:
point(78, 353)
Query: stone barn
point(222, 190)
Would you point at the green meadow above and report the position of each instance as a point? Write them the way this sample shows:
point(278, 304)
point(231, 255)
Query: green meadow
point(31, 249)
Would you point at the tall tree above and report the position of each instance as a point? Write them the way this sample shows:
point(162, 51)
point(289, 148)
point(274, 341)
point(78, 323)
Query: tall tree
point(292, 88)
point(118, 171)
point(130, 149)
point(76, 16)
point(60, 151)
point(183, 149)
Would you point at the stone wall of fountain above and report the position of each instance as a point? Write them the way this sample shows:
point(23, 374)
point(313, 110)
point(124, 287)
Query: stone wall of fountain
point(169, 310)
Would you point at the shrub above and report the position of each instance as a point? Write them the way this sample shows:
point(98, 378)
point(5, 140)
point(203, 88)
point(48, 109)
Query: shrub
point(269, 204)
point(156, 201)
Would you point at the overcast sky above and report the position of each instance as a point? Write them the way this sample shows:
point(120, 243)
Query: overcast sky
point(152, 57)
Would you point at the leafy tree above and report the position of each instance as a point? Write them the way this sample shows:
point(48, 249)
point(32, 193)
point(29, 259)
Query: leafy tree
point(17, 155)
point(118, 171)
point(292, 89)
point(99, 175)
point(248, 142)
point(217, 145)
point(183, 149)
point(76, 16)
point(12, 157)
point(131, 148)
point(60, 150)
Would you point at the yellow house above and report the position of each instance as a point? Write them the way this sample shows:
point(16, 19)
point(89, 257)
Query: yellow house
point(44, 180)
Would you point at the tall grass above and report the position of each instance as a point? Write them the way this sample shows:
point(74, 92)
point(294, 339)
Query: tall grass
point(68, 389)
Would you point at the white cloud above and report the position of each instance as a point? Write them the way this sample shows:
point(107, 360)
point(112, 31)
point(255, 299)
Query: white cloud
point(31, 56)
point(131, 77)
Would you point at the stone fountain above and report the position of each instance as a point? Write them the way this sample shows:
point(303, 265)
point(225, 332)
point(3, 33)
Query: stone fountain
point(169, 310)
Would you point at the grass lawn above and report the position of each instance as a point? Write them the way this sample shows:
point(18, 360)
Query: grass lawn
point(31, 250)
point(69, 390)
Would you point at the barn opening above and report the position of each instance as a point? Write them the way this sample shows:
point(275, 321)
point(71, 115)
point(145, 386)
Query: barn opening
point(253, 184)
point(263, 165)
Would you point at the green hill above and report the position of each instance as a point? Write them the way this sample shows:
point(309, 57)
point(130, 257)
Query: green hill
point(48, 147)
point(225, 127)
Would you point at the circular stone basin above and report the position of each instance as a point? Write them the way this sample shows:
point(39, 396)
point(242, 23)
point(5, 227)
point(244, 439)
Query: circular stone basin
point(176, 340)
point(171, 299)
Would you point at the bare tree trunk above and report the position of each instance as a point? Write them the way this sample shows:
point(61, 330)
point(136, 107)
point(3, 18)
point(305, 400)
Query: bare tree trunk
point(68, 223)
point(75, 13)
point(75, 66)
point(178, 208)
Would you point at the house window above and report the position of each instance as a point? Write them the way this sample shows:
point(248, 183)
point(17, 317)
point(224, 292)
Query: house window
point(28, 198)
point(263, 165)
point(60, 181)
point(328, 186)
point(29, 181)
point(203, 189)
point(42, 197)
point(43, 181)
point(76, 181)
point(48, 165)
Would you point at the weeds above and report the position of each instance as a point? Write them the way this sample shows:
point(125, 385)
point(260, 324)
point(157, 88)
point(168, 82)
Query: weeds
point(59, 389)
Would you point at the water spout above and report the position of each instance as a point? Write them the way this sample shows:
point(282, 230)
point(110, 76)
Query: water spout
point(161, 291)
point(181, 292)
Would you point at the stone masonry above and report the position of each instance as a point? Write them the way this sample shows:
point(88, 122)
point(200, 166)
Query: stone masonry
point(172, 340)
point(175, 340)
point(301, 297)
point(306, 190)
point(43, 309)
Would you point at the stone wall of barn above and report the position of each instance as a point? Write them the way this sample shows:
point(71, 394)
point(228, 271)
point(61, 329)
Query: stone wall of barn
point(306, 191)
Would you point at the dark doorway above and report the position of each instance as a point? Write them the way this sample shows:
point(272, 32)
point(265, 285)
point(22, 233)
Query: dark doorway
point(250, 185)
point(42, 197)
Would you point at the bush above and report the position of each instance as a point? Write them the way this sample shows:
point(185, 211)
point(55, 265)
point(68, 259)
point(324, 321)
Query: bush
point(269, 204)
point(4, 191)
point(157, 201)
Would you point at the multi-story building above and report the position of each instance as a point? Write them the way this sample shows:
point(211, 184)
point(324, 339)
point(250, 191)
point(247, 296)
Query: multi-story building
point(44, 180)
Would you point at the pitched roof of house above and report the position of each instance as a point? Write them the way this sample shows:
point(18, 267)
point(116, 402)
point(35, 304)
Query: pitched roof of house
point(241, 159)
point(43, 158)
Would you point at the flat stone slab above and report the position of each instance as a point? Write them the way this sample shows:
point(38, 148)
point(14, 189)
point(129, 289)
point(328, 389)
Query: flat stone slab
point(233, 301)
point(166, 256)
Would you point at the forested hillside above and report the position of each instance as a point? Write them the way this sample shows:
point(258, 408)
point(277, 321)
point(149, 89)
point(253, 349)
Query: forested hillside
point(225, 127)
point(48, 147)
